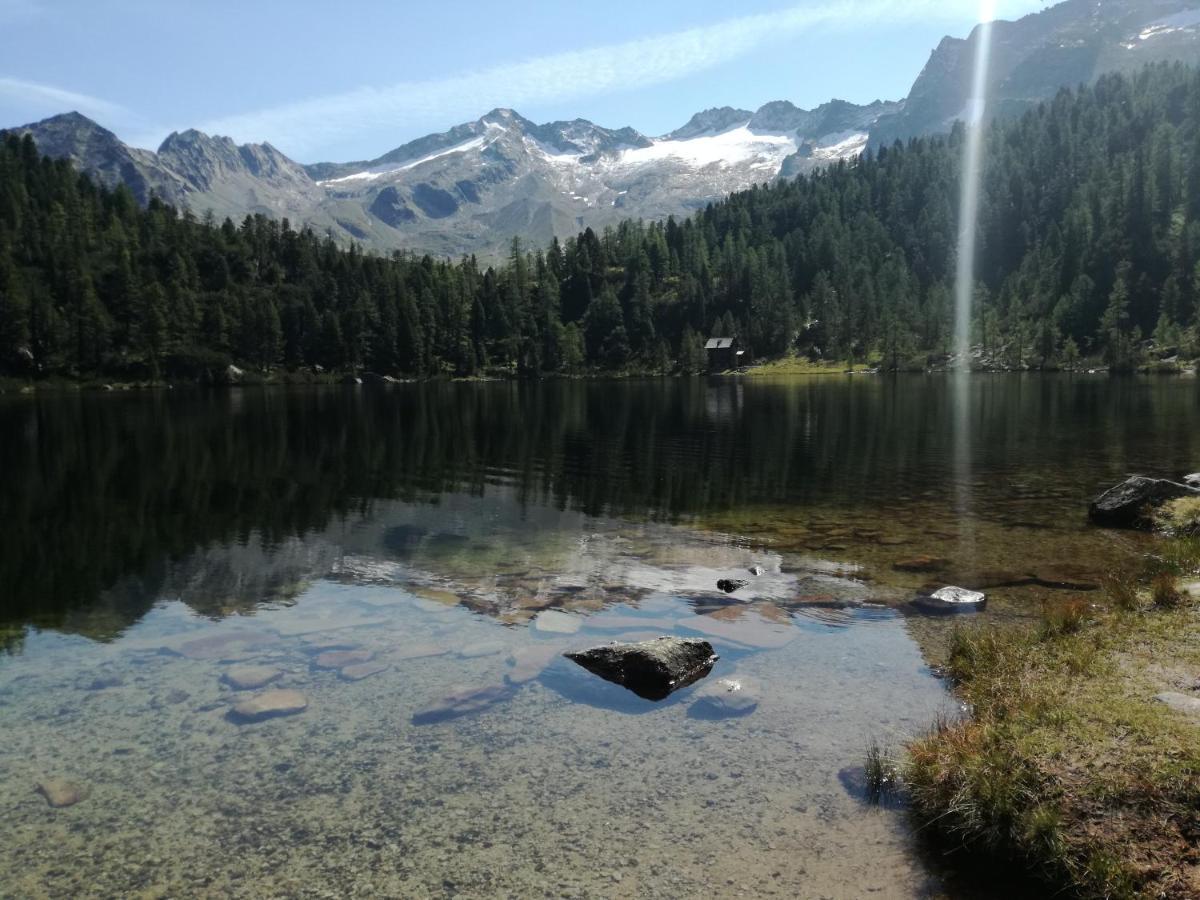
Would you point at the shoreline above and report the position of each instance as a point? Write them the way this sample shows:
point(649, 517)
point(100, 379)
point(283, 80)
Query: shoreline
point(63, 385)
point(1079, 755)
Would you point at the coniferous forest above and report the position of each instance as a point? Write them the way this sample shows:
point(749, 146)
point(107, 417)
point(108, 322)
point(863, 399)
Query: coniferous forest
point(1089, 246)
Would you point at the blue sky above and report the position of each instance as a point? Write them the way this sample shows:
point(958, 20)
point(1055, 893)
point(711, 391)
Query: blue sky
point(329, 81)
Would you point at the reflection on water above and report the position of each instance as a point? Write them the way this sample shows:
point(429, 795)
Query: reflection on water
point(399, 571)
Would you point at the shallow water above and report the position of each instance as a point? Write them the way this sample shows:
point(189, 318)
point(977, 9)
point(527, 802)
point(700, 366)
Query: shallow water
point(458, 538)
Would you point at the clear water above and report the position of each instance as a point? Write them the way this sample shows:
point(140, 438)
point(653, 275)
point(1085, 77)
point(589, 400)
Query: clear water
point(459, 538)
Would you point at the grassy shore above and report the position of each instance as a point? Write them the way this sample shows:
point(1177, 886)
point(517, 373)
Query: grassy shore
point(802, 365)
point(1080, 755)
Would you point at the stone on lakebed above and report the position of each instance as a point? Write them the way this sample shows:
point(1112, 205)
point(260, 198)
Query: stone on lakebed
point(651, 669)
point(921, 564)
point(462, 702)
point(59, 792)
point(250, 678)
point(480, 649)
point(729, 585)
point(359, 671)
point(339, 659)
point(269, 705)
point(726, 697)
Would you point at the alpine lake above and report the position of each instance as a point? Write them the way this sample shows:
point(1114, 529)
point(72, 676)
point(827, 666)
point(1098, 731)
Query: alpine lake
point(285, 642)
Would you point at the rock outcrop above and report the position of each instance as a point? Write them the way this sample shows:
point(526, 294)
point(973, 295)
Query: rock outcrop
point(1128, 504)
point(651, 669)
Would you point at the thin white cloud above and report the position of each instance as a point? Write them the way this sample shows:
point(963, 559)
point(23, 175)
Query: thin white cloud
point(32, 98)
point(311, 125)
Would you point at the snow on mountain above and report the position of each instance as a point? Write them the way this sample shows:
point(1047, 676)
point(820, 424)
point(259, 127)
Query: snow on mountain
point(737, 146)
point(473, 187)
point(372, 174)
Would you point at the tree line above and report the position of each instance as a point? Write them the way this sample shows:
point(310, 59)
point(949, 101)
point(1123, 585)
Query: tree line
point(1089, 244)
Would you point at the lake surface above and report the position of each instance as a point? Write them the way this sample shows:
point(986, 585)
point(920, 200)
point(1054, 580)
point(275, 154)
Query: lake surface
point(413, 561)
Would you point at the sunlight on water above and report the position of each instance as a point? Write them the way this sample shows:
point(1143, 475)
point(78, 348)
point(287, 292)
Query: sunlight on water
point(968, 214)
point(968, 228)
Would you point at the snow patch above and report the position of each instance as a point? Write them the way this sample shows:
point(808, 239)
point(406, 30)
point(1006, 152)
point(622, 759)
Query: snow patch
point(474, 143)
point(737, 145)
point(845, 145)
point(1177, 22)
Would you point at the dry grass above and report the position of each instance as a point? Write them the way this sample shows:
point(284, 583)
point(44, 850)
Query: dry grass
point(1067, 764)
point(1179, 517)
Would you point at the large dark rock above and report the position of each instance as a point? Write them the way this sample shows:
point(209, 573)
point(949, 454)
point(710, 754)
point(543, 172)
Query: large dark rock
point(651, 669)
point(1127, 504)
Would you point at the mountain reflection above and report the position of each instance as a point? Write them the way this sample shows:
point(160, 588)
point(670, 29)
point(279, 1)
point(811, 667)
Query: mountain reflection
point(225, 500)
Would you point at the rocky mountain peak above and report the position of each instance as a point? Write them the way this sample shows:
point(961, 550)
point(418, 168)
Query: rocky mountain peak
point(711, 121)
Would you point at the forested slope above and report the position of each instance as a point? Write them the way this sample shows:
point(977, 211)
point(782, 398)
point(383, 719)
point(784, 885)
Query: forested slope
point(1090, 240)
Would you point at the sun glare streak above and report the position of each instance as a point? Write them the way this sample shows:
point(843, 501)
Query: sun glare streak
point(968, 228)
point(968, 213)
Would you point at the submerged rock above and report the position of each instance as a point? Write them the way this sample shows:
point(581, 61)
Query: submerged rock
point(921, 564)
point(483, 648)
point(952, 600)
point(1126, 505)
point(462, 702)
point(225, 645)
point(725, 698)
point(269, 705)
point(106, 681)
point(59, 792)
point(651, 669)
point(420, 651)
point(249, 678)
point(338, 659)
point(729, 585)
point(359, 671)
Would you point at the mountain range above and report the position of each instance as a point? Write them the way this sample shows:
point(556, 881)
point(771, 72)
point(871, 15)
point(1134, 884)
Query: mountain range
point(472, 188)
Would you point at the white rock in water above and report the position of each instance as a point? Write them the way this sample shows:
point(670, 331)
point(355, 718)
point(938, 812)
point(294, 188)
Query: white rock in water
point(556, 622)
point(953, 599)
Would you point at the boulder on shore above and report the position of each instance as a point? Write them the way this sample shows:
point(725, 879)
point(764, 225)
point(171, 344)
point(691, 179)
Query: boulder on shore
point(651, 669)
point(1126, 505)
